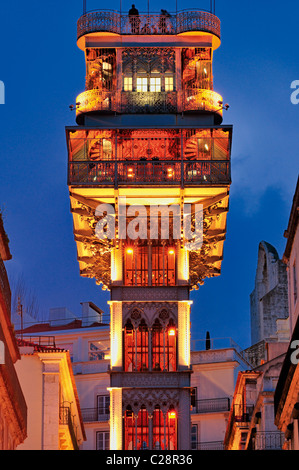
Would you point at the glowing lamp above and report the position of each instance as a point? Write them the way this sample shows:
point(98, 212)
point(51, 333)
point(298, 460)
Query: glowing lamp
point(172, 414)
point(129, 251)
point(171, 252)
point(171, 332)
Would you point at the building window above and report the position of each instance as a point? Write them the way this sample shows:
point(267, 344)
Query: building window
point(295, 282)
point(193, 396)
point(168, 83)
point(194, 432)
point(137, 271)
point(103, 407)
point(163, 347)
point(155, 84)
point(136, 348)
point(103, 440)
point(128, 83)
point(164, 429)
point(136, 430)
point(95, 352)
point(141, 84)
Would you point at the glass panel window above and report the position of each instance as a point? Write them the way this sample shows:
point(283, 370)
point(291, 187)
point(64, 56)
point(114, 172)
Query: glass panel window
point(141, 84)
point(95, 352)
point(158, 429)
point(136, 348)
point(194, 437)
point(103, 406)
point(103, 440)
point(128, 83)
point(155, 84)
point(168, 83)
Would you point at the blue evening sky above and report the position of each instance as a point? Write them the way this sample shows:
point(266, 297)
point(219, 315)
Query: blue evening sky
point(43, 71)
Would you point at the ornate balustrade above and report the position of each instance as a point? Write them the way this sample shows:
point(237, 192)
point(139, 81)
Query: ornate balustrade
point(149, 172)
point(202, 100)
point(268, 440)
point(195, 100)
point(148, 23)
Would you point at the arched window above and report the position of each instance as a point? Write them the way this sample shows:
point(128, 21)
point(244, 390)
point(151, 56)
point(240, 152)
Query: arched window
point(142, 347)
point(129, 346)
point(164, 348)
point(136, 430)
point(129, 421)
point(171, 347)
point(136, 347)
point(157, 347)
point(164, 429)
point(158, 429)
point(171, 429)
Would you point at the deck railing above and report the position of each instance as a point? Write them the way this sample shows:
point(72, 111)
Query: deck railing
point(211, 405)
point(268, 440)
point(149, 172)
point(148, 23)
point(131, 102)
point(91, 415)
point(211, 445)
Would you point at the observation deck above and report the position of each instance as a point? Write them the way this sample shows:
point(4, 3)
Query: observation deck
point(184, 22)
point(193, 100)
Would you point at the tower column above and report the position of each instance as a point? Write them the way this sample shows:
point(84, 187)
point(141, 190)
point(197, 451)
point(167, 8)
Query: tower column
point(184, 335)
point(116, 422)
point(116, 335)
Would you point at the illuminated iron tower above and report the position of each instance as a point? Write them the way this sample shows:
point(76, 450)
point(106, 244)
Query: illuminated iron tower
point(149, 133)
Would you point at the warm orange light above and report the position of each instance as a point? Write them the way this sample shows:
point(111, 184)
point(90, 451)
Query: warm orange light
point(169, 172)
point(171, 252)
point(129, 251)
point(172, 414)
point(171, 332)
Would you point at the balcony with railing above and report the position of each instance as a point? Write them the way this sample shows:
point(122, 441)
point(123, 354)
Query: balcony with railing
point(210, 445)
point(150, 102)
point(92, 415)
point(181, 22)
point(151, 173)
point(149, 157)
point(268, 440)
point(67, 427)
point(211, 405)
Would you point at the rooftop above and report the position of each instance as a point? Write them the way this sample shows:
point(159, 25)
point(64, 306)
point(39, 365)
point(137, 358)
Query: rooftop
point(184, 22)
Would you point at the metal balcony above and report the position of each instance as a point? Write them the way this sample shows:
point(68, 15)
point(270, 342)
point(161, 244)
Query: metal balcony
point(268, 440)
point(212, 405)
point(134, 102)
point(91, 415)
point(185, 21)
point(147, 172)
